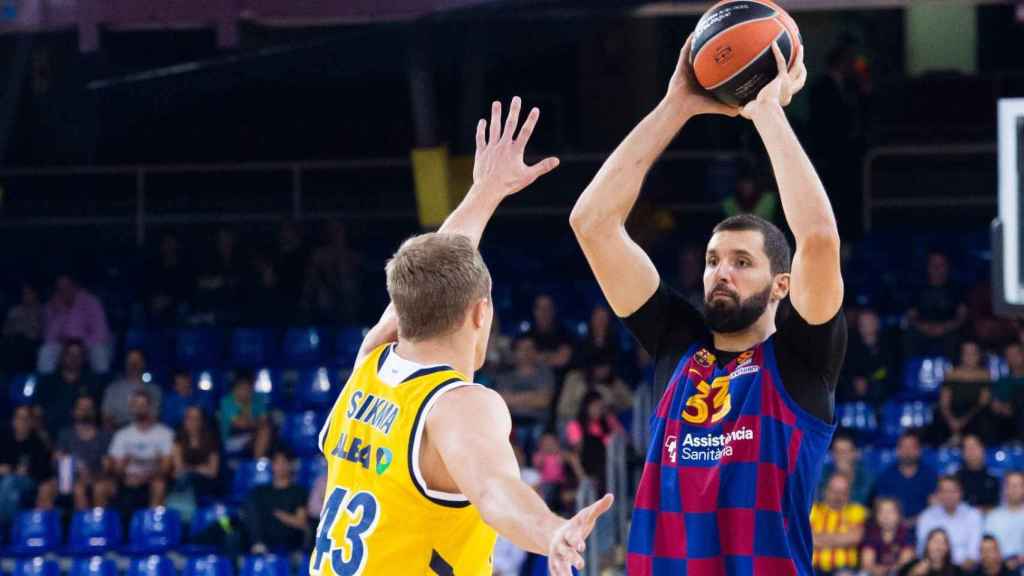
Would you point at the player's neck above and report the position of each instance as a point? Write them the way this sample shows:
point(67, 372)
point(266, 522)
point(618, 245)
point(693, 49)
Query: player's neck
point(746, 339)
point(448, 350)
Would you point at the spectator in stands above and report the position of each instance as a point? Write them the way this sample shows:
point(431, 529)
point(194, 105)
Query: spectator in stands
point(909, 481)
point(838, 528)
point(330, 294)
point(87, 446)
point(868, 363)
point(689, 275)
point(936, 560)
point(601, 346)
point(290, 263)
point(529, 387)
point(275, 514)
point(218, 282)
point(964, 400)
point(118, 400)
point(196, 454)
point(1007, 409)
point(589, 435)
point(960, 521)
point(181, 396)
point(551, 338)
point(598, 377)
point(980, 487)
point(56, 393)
point(550, 462)
point(141, 456)
point(938, 314)
point(244, 426)
point(888, 543)
point(25, 467)
point(23, 332)
point(73, 313)
point(846, 461)
point(261, 298)
point(500, 355)
point(1006, 523)
point(168, 283)
point(750, 197)
point(992, 563)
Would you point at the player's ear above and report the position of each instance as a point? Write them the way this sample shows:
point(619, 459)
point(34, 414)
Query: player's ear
point(780, 286)
point(479, 313)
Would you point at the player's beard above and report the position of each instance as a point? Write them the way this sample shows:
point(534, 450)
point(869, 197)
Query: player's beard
point(727, 317)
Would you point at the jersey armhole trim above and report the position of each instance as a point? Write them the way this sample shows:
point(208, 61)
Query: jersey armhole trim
point(446, 499)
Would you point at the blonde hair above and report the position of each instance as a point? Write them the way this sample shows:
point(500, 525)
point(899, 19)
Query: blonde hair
point(432, 279)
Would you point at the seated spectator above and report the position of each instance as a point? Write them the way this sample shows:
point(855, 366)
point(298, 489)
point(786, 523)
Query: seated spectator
point(936, 560)
point(961, 523)
point(964, 399)
point(589, 435)
point(196, 454)
point(244, 426)
point(909, 481)
point(181, 396)
point(600, 378)
point(601, 346)
point(167, 283)
point(846, 461)
point(992, 563)
point(330, 293)
point(751, 198)
point(868, 363)
point(838, 527)
point(1007, 409)
point(118, 409)
point(980, 487)
point(889, 543)
point(529, 387)
point(87, 445)
point(550, 463)
point(275, 514)
point(22, 332)
point(25, 467)
point(218, 281)
point(73, 313)
point(1006, 523)
point(141, 457)
point(939, 313)
point(553, 341)
point(56, 393)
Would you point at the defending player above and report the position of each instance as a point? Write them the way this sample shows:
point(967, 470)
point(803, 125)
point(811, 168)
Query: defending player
point(420, 470)
point(746, 417)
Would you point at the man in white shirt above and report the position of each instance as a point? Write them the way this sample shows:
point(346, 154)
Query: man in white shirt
point(1006, 523)
point(141, 455)
point(961, 522)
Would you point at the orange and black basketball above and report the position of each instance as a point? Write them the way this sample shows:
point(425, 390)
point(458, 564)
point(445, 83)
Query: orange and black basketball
point(731, 53)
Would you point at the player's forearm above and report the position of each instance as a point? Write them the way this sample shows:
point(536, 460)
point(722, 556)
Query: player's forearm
point(804, 201)
point(471, 216)
point(607, 201)
point(516, 512)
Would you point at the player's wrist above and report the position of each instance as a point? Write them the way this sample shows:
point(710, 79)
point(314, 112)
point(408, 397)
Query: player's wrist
point(678, 107)
point(765, 112)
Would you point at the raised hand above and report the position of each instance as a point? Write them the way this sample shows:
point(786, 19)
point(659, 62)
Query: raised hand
point(569, 541)
point(786, 84)
point(498, 167)
point(684, 88)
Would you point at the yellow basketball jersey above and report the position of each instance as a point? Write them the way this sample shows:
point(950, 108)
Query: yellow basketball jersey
point(379, 517)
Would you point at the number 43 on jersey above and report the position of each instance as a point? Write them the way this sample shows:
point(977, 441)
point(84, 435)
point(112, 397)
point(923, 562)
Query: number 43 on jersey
point(360, 513)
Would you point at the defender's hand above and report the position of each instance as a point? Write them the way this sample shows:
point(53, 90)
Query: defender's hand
point(498, 167)
point(780, 91)
point(569, 541)
point(684, 89)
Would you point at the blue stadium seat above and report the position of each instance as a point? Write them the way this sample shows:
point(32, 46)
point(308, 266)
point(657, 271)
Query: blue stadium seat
point(209, 565)
point(302, 348)
point(35, 532)
point(154, 344)
point(198, 348)
point(154, 565)
point(859, 418)
point(317, 388)
point(877, 459)
point(1003, 459)
point(95, 531)
point(209, 387)
point(346, 345)
point(947, 460)
point(900, 416)
point(153, 531)
point(251, 347)
point(202, 518)
point(267, 565)
point(923, 375)
point(997, 366)
point(37, 566)
point(302, 431)
point(93, 566)
point(23, 389)
point(250, 473)
point(310, 469)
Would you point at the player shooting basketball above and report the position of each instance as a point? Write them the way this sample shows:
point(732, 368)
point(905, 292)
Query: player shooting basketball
point(746, 417)
point(420, 470)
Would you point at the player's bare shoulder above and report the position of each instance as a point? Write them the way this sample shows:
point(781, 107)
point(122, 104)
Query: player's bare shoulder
point(468, 406)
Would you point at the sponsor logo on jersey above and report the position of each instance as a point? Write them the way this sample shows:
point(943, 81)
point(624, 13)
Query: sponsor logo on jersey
point(745, 358)
point(743, 370)
point(353, 449)
point(704, 358)
point(384, 458)
point(376, 411)
point(670, 448)
point(712, 447)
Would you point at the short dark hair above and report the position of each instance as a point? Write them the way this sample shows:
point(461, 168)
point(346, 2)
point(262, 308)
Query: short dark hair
point(775, 244)
point(143, 393)
point(280, 450)
point(950, 478)
point(910, 433)
point(841, 435)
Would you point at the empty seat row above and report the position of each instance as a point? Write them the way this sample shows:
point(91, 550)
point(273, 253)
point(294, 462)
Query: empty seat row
point(155, 565)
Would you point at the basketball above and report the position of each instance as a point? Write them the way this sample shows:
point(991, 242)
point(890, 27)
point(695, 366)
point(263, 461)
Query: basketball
point(731, 52)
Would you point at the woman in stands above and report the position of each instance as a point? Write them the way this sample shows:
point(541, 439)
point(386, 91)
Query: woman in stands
point(938, 558)
point(888, 543)
point(196, 454)
point(964, 400)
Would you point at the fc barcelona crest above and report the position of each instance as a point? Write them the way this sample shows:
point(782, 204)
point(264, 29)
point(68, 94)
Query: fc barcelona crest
point(704, 358)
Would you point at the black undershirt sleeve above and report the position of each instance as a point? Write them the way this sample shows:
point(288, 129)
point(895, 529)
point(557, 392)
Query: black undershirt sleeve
point(666, 325)
point(810, 358)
